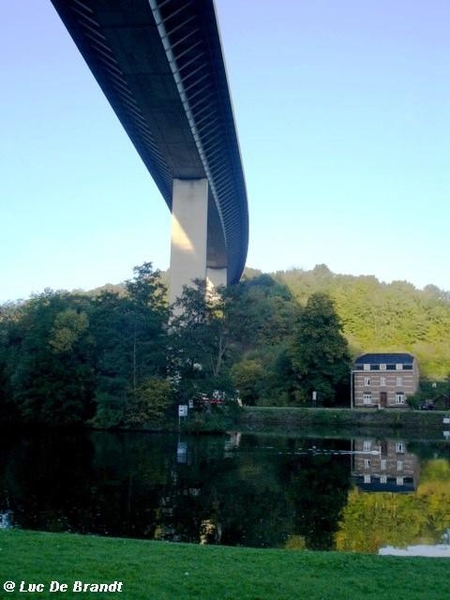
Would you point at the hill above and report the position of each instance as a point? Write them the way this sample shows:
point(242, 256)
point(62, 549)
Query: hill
point(383, 317)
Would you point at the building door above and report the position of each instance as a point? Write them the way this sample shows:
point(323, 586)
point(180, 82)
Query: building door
point(383, 399)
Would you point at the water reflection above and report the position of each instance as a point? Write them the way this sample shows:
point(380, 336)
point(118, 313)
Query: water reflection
point(384, 466)
point(264, 491)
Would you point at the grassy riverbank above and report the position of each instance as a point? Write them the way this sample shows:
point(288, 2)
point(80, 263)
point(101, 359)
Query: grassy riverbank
point(163, 571)
point(298, 419)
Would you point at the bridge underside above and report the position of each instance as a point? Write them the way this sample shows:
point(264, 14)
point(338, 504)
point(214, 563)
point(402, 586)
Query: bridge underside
point(160, 64)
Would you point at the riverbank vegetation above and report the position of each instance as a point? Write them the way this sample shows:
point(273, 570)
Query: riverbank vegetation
point(269, 418)
point(163, 570)
point(116, 357)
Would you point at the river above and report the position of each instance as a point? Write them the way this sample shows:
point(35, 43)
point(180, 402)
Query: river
point(369, 494)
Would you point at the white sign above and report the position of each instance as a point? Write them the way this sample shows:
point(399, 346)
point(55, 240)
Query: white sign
point(182, 410)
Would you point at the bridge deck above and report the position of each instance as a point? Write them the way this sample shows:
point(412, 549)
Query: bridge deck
point(160, 65)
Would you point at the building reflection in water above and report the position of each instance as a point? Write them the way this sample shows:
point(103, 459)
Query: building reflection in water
point(384, 466)
point(243, 489)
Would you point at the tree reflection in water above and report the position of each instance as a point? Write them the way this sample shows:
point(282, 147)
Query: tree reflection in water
point(251, 490)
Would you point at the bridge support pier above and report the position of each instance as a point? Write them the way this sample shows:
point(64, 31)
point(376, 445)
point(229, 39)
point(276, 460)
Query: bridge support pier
point(189, 234)
point(216, 277)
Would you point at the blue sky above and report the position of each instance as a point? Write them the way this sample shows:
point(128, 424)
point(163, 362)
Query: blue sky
point(343, 114)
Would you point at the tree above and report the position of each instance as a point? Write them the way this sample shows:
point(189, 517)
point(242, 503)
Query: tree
point(131, 343)
point(10, 338)
point(149, 403)
point(50, 360)
point(200, 340)
point(247, 376)
point(319, 351)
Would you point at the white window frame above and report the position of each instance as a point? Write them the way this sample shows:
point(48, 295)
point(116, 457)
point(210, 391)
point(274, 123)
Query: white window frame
point(400, 447)
point(367, 381)
point(383, 464)
point(367, 445)
point(367, 479)
point(367, 398)
point(400, 398)
point(383, 478)
point(399, 367)
point(399, 381)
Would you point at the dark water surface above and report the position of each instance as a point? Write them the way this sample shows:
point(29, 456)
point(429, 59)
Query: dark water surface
point(366, 494)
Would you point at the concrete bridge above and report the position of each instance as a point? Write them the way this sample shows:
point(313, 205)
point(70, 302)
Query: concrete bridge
point(160, 65)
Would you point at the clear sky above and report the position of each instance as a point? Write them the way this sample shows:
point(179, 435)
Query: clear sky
point(343, 115)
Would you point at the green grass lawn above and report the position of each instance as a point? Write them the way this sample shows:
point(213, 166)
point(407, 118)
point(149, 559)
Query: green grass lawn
point(163, 571)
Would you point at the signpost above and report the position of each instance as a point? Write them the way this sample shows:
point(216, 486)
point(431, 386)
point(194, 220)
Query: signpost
point(182, 412)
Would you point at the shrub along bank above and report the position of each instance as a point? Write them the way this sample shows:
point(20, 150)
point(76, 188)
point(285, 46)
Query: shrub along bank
point(260, 418)
point(164, 571)
point(297, 420)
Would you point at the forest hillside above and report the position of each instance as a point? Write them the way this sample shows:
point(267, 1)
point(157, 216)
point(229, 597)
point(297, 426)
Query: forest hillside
point(117, 356)
point(383, 317)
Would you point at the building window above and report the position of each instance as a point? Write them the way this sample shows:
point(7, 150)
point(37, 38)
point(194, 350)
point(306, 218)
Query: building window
point(383, 367)
point(366, 367)
point(398, 380)
point(383, 479)
point(367, 445)
point(367, 398)
point(366, 381)
point(399, 366)
point(399, 465)
point(400, 447)
point(383, 464)
point(399, 398)
point(367, 463)
point(367, 479)
point(383, 381)
point(399, 480)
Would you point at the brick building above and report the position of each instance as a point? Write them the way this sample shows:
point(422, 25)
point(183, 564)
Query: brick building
point(384, 380)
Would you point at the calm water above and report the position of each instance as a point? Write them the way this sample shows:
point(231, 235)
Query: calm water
point(367, 494)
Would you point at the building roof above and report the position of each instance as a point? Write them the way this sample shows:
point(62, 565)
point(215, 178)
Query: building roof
point(391, 485)
point(385, 358)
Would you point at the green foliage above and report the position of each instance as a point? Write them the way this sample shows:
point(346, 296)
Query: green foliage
point(72, 358)
point(247, 376)
point(261, 315)
point(216, 419)
point(200, 340)
point(380, 317)
point(47, 360)
point(319, 352)
point(398, 519)
point(109, 412)
point(69, 359)
point(149, 403)
point(68, 327)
